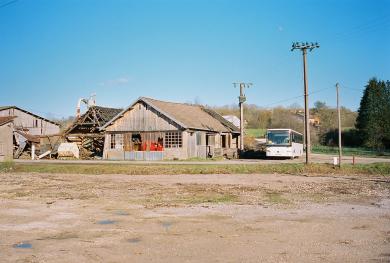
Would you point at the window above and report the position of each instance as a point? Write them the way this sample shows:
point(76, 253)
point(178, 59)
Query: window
point(297, 138)
point(35, 123)
point(1, 148)
point(173, 140)
point(112, 141)
point(223, 138)
point(278, 137)
point(116, 141)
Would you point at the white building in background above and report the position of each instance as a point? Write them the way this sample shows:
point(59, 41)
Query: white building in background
point(233, 119)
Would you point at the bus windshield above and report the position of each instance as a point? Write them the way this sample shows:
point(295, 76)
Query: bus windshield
point(278, 138)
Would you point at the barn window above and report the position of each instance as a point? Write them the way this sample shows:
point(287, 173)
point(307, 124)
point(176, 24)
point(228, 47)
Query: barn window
point(173, 140)
point(112, 141)
point(198, 138)
point(116, 141)
point(35, 124)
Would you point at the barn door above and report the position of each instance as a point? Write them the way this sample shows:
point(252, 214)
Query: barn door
point(210, 144)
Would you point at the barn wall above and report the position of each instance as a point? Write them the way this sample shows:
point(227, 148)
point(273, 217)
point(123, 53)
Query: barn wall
point(142, 118)
point(6, 142)
point(178, 153)
point(35, 126)
point(123, 152)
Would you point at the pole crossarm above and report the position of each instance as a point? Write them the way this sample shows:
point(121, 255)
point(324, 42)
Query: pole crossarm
point(303, 45)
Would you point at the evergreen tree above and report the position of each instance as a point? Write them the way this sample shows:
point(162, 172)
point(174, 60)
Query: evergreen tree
point(373, 121)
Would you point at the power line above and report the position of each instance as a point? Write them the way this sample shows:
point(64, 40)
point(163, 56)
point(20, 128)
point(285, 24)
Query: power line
point(353, 89)
point(296, 97)
point(8, 3)
point(367, 27)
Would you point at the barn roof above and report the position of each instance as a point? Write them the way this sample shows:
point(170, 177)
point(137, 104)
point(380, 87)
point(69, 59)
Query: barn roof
point(94, 118)
point(28, 112)
point(188, 116)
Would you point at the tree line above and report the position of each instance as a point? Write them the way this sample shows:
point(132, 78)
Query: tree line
point(368, 127)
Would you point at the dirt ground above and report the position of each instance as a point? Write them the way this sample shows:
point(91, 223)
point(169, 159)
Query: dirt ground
point(194, 218)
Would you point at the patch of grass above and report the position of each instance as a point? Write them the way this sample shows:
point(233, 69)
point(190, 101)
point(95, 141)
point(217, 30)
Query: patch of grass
point(169, 199)
point(60, 236)
point(257, 133)
point(349, 151)
point(207, 168)
point(199, 159)
point(6, 166)
point(276, 198)
point(209, 198)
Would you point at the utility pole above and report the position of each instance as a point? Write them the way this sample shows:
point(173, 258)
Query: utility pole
point(339, 121)
point(241, 100)
point(304, 47)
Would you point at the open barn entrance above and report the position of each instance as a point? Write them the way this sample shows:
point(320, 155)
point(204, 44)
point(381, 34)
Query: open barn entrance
point(143, 146)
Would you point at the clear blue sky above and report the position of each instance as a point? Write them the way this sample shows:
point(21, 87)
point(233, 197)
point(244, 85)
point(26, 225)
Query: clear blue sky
point(53, 52)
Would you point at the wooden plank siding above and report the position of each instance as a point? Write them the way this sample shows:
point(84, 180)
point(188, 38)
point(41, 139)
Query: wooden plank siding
point(34, 125)
point(142, 118)
point(6, 142)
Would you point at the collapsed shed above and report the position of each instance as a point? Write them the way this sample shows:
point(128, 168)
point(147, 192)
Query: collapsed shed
point(27, 128)
point(86, 133)
point(151, 129)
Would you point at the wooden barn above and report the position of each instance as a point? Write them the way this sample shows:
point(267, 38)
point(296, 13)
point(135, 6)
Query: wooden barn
point(86, 132)
point(29, 122)
point(151, 129)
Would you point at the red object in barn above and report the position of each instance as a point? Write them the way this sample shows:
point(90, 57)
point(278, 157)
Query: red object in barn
point(160, 147)
point(143, 146)
point(153, 147)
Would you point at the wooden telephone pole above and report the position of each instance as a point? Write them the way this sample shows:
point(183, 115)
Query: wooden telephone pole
point(339, 122)
point(241, 100)
point(304, 47)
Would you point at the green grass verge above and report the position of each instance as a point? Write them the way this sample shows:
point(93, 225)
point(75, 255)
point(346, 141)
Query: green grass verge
point(6, 166)
point(155, 169)
point(257, 133)
point(349, 151)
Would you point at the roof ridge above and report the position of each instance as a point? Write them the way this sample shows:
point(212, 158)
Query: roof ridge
point(98, 106)
point(173, 102)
